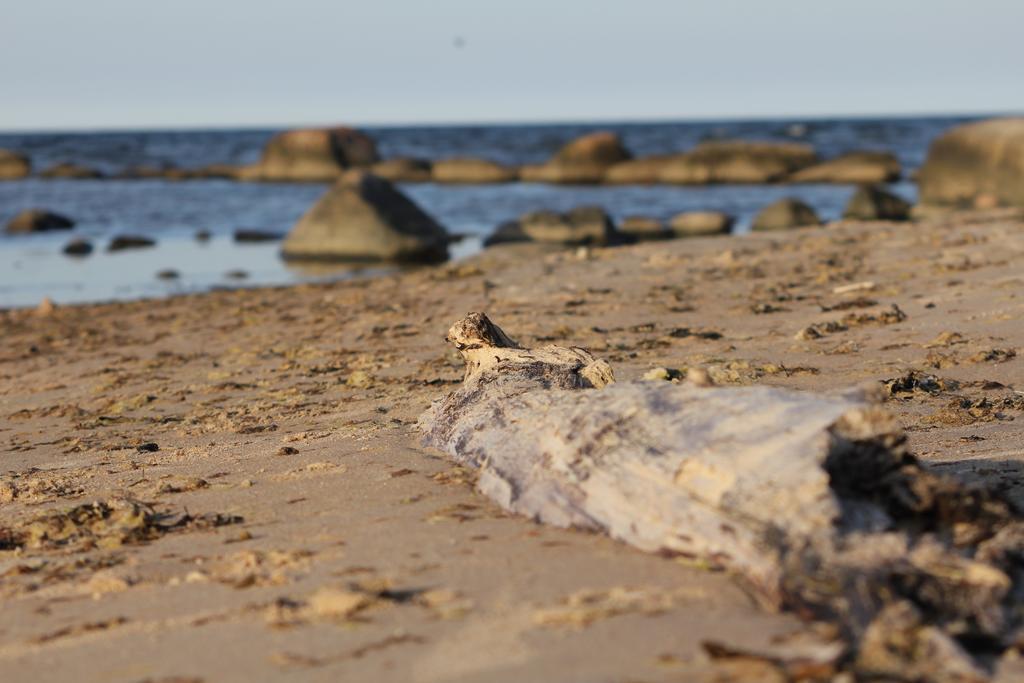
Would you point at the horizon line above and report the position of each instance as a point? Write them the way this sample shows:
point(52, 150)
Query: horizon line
point(455, 123)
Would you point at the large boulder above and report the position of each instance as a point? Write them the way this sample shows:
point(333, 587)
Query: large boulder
point(582, 225)
point(584, 160)
point(313, 155)
point(365, 218)
point(38, 220)
point(13, 165)
point(978, 163)
point(403, 170)
point(855, 168)
point(870, 203)
point(469, 170)
point(785, 214)
point(737, 161)
point(71, 171)
point(699, 223)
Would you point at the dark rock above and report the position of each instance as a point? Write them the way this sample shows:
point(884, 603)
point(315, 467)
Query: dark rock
point(38, 220)
point(250, 235)
point(123, 242)
point(363, 217)
point(203, 236)
point(785, 214)
point(168, 274)
point(509, 231)
point(78, 247)
point(870, 203)
point(644, 228)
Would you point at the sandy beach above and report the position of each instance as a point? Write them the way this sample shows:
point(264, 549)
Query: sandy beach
point(265, 502)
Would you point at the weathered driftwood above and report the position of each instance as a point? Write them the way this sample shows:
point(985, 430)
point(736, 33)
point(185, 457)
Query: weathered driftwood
point(812, 499)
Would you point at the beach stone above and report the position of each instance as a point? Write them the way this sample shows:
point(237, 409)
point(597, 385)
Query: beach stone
point(737, 161)
point(468, 170)
point(855, 168)
point(313, 155)
point(582, 161)
point(78, 247)
point(38, 220)
point(403, 170)
point(124, 242)
point(975, 160)
point(71, 171)
point(642, 171)
point(785, 214)
point(697, 223)
point(13, 165)
point(580, 226)
point(363, 217)
point(644, 228)
point(870, 203)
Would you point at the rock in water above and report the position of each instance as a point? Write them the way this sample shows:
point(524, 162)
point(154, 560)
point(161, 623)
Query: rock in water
point(125, 242)
point(697, 223)
point(582, 225)
point(870, 203)
point(78, 247)
point(313, 155)
point(644, 228)
point(976, 160)
point(467, 170)
point(785, 214)
point(813, 500)
point(737, 161)
point(71, 171)
point(365, 218)
point(38, 220)
point(403, 170)
point(582, 161)
point(13, 166)
point(855, 168)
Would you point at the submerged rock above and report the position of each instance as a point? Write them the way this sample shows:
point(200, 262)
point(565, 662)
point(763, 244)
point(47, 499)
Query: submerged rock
point(249, 235)
point(124, 242)
point(38, 220)
point(468, 170)
point(13, 166)
point(363, 217)
point(696, 223)
point(977, 161)
point(855, 168)
point(785, 214)
point(312, 155)
point(71, 171)
point(737, 161)
point(870, 203)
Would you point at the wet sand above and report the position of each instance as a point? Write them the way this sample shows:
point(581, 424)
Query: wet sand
point(286, 523)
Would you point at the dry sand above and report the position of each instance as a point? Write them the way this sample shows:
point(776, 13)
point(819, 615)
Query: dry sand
point(286, 525)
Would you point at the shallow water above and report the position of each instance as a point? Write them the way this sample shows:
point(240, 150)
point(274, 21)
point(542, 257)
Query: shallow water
point(32, 267)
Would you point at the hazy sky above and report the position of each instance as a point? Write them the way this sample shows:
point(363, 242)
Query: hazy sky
point(145, 63)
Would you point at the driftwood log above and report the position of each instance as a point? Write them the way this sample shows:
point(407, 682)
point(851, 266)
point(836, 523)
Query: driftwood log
point(811, 499)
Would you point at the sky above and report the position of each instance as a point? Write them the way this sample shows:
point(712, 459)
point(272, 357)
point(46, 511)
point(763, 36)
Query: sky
point(100, 64)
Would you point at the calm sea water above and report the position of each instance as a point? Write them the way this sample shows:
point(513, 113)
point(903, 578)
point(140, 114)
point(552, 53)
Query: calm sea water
point(33, 266)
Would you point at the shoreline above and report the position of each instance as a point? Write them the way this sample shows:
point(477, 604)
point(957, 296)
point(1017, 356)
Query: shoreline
point(293, 408)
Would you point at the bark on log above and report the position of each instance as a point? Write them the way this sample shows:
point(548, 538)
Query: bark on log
point(813, 500)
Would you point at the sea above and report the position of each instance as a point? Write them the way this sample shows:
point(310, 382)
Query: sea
point(33, 267)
